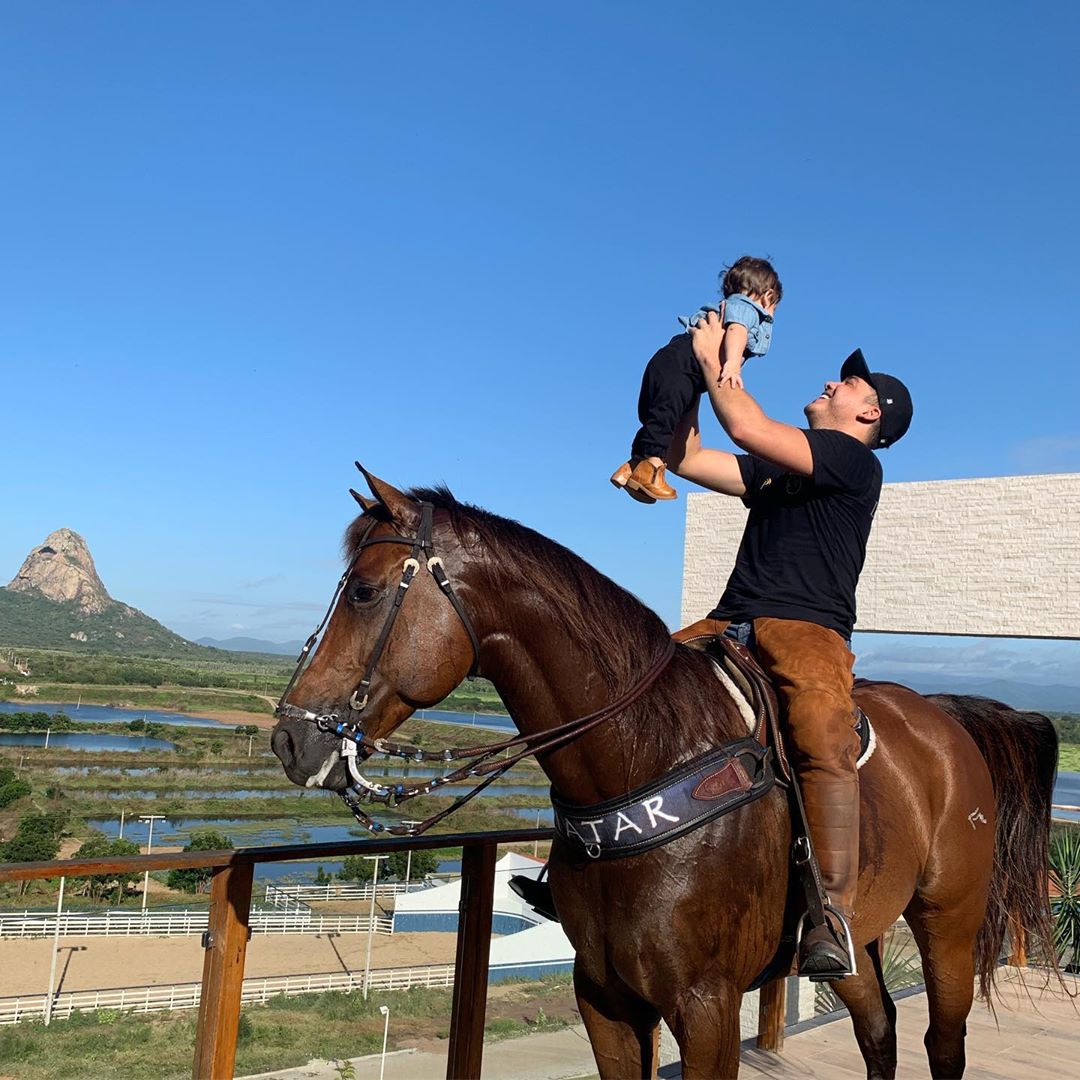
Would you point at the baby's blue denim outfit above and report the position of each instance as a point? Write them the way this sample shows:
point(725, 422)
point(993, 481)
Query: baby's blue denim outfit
point(744, 311)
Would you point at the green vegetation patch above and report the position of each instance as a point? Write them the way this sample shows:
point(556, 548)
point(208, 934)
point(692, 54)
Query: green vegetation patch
point(282, 1033)
point(1069, 757)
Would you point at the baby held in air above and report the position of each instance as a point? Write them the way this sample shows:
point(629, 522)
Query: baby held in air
point(673, 379)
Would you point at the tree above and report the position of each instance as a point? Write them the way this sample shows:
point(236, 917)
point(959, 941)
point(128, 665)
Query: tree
point(11, 788)
point(356, 868)
point(198, 880)
point(34, 841)
point(37, 839)
point(423, 863)
point(99, 846)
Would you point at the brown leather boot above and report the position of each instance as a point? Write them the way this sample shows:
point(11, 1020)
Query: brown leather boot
point(620, 478)
point(648, 479)
point(832, 810)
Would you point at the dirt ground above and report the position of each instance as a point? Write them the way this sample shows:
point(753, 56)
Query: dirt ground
point(99, 963)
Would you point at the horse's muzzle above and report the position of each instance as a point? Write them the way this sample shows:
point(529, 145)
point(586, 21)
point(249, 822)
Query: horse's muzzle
point(309, 759)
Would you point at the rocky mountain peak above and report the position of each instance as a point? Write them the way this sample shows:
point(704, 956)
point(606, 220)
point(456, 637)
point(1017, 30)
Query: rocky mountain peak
point(62, 569)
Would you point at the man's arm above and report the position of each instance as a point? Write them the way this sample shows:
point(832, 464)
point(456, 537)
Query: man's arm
point(713, 469)
point(741, 416)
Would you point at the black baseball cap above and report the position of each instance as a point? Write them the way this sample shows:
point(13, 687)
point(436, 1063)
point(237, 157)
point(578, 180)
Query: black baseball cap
point(893, 398)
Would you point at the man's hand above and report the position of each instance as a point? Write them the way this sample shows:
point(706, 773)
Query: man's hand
point(707, 338)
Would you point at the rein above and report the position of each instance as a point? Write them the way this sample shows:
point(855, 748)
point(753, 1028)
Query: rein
point(351, 732)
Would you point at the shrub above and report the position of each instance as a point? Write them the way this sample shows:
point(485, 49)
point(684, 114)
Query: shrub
point(198, 880)
point(1065, 908)
point(99, 846)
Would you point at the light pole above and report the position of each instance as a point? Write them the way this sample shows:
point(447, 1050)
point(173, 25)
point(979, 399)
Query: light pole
point(408, 857)
point(150, 818)
point(371, 921)
point(55, 946)
point(385, 1010)
point(536, 843)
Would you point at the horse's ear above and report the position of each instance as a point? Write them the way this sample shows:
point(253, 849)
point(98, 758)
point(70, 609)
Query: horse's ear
point(366, 504)
point(399, 506)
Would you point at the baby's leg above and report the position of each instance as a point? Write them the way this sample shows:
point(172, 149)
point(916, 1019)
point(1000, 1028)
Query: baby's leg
point(671, 384)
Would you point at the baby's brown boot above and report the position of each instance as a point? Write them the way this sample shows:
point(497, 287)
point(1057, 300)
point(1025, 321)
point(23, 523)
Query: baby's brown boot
point(648, 479)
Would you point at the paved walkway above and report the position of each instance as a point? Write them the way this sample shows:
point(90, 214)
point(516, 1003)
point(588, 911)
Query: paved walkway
point(551, 1055)
point(1034, 1038)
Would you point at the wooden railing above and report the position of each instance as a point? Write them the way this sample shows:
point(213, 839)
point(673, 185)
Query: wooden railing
point(228, 929)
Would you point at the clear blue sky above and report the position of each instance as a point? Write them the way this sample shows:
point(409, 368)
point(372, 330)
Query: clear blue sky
point(246, 243)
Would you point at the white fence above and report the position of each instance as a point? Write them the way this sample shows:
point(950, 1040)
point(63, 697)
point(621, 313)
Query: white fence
point(144, 999)
point(297, 897)
point(167, 923)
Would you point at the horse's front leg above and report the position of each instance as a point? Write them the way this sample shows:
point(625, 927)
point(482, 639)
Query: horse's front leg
point(705, 1023)
point(624, 1030)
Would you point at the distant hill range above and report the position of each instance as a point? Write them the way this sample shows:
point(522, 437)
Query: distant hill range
point(58, 601)
point(250, 644)
point(1051, 697)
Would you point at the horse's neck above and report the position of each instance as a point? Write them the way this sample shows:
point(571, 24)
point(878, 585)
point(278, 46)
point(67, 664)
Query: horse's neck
point(546, 681)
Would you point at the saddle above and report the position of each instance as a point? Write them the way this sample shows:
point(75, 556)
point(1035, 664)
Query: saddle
point(738, 663)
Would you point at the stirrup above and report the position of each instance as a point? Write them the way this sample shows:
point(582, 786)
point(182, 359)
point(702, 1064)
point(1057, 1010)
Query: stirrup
point(845, 931)
point(536, 893)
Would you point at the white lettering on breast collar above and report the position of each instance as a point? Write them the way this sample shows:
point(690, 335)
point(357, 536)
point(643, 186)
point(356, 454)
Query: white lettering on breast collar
point(592, 825)
point(624, 823)
point(652, 808)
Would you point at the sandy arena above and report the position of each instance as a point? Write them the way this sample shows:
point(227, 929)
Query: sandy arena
point(99, 963)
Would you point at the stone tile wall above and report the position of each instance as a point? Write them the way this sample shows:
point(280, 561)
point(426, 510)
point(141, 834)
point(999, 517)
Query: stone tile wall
point(995, 557)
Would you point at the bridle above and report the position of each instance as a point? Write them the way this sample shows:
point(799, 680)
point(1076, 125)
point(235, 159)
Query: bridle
point(351, 732)
point(422, 547)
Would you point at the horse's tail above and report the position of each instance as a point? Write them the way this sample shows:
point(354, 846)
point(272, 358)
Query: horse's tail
point(1020, 749)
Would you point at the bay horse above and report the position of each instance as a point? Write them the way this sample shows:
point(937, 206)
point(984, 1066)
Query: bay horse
point(954, 801)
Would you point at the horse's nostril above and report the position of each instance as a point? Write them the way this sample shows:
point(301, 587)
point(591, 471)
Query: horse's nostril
point(282, 745)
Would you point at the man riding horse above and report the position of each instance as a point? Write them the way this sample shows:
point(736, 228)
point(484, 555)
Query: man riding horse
point(812, 495)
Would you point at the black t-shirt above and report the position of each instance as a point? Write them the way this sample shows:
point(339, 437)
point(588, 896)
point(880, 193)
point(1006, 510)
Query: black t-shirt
point(805, 539)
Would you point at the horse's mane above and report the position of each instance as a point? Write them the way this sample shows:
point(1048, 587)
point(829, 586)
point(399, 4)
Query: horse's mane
point(617, 631)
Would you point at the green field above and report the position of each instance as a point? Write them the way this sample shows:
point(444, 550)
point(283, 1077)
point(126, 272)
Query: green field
point(285, 1032)
point(249, 682)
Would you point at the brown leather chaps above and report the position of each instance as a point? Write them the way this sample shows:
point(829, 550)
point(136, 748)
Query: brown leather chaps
point(812, 669)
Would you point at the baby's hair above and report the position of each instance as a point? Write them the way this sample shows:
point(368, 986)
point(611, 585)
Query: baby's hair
point(751, 277)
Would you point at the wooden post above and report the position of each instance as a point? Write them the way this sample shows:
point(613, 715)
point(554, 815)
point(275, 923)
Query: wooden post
point(469, 1008)
point(223, 972)
point(772, 1007)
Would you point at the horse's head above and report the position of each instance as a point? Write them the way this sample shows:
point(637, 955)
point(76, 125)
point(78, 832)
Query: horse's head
point(398, 638)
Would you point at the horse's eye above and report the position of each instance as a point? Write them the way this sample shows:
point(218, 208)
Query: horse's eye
point(361, 593)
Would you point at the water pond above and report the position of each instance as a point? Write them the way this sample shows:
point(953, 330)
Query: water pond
point(244, 833)
point(78, 741)
point(108, 714)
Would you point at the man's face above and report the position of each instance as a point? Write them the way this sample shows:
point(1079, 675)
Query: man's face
point(841, 403)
